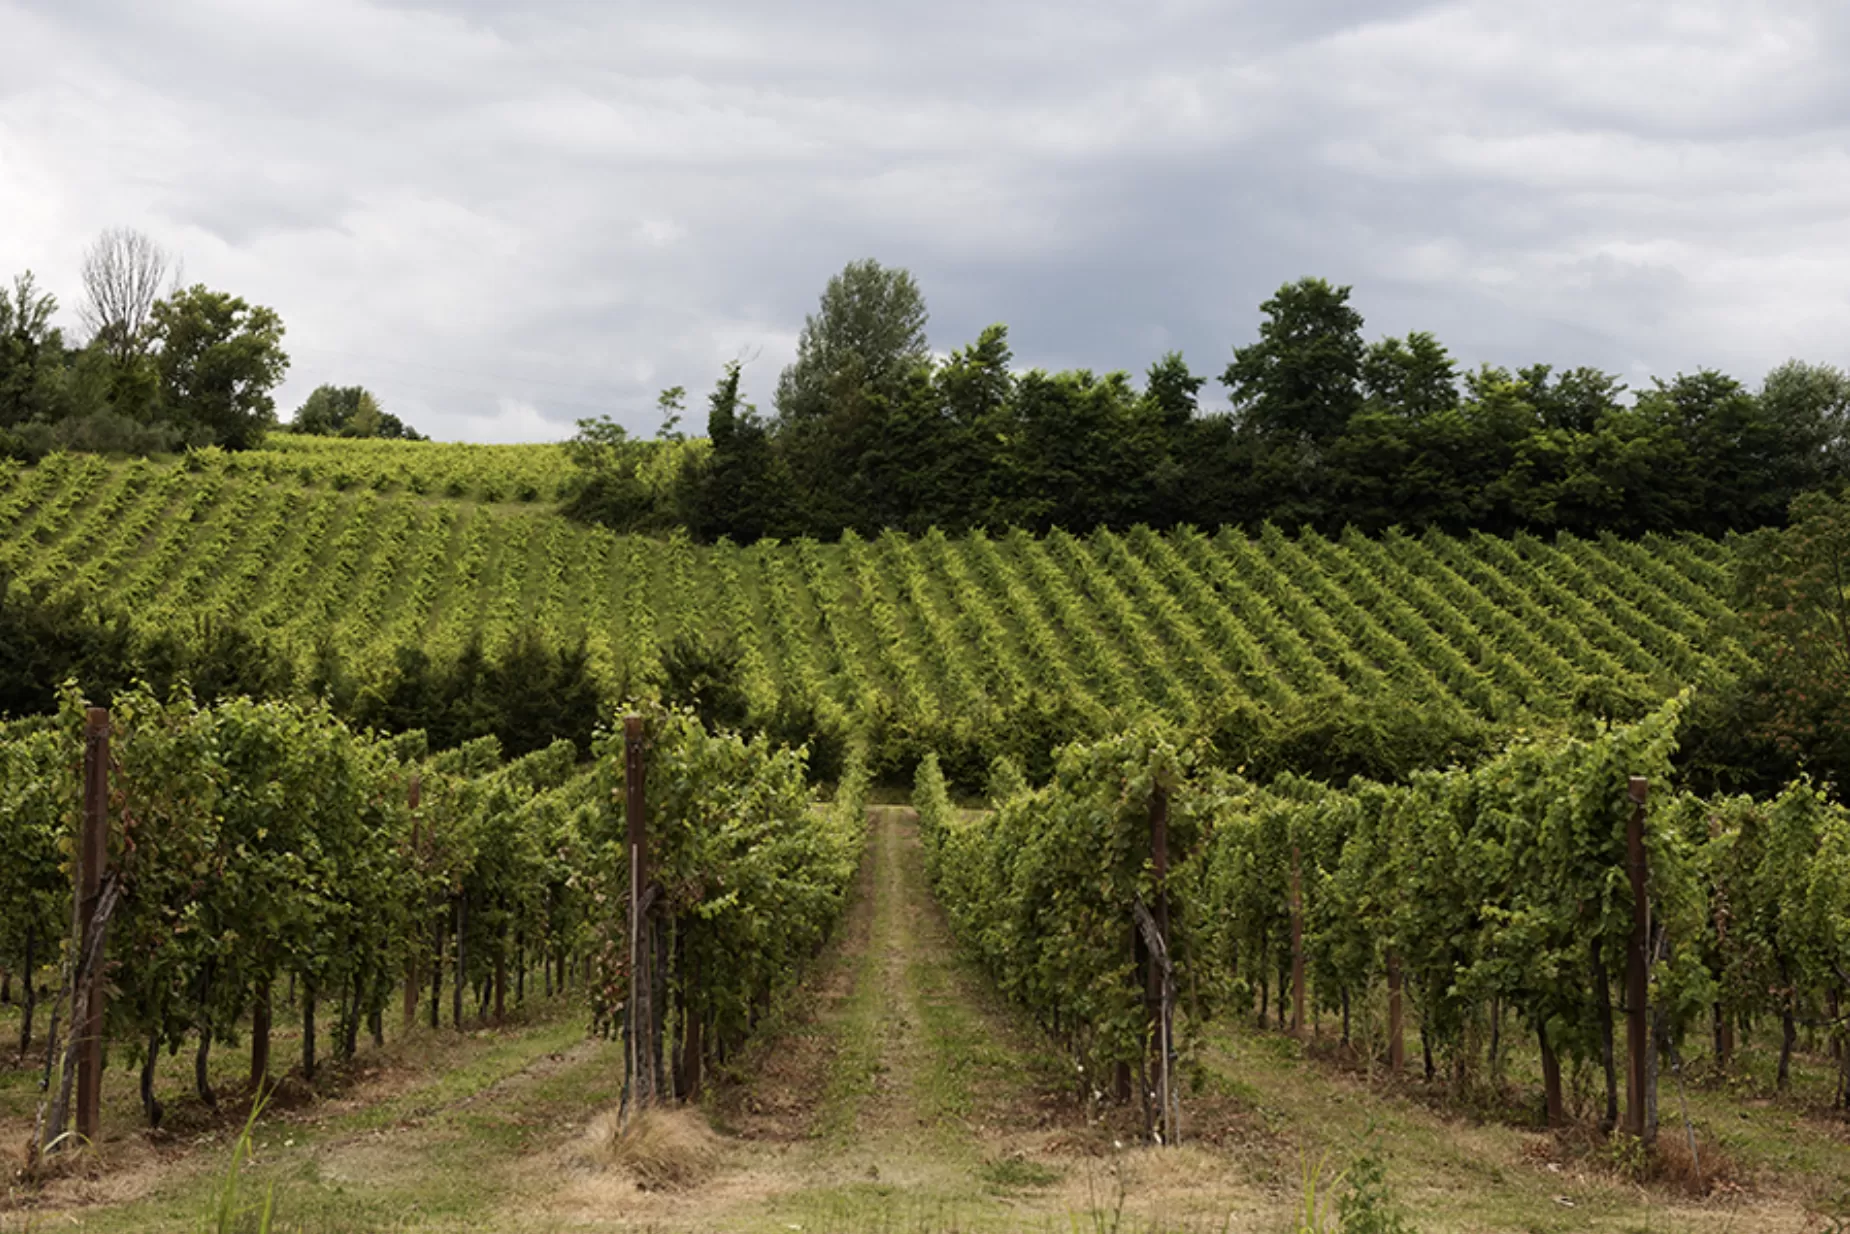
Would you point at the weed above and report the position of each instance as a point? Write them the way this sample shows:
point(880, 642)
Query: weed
point(1366, 1206)
point(231, 1212)
point(1014, 1173)
point(1626, 1155)
point(1313, 1215)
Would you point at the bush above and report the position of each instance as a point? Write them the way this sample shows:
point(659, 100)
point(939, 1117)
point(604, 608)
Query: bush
point(99, 432)
point(701, 672)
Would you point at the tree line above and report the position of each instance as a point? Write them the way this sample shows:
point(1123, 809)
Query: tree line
point(163, 366)
point(871, 429)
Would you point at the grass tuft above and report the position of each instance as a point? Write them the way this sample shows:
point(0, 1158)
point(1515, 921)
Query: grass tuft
point(663, 1150)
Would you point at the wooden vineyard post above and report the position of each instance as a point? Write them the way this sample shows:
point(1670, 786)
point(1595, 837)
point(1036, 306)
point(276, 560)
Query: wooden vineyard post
point(1159, 988)
point(92, 856)
point(1637, 974)
point(1397, 1044)
point(640, 1027)
point(690, 1041)
point(1297, 945)
point(1724, 1022)
point(414, 978)
point(1554, 1109)
point(460, 968)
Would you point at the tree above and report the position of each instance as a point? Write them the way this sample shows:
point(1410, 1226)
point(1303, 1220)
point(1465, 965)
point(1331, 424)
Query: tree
point(1171, 392)
point(349, 411)
point(973, 390)
point(1745, 465)
point(853, 356)
point(1414, 378)
point(31, 354)
point(1165, 430)
point(1074, 457)
point(122, 276)
point(672, 403)
point(608, 488)
point(1301, 381)
point(871, 325)
point(701, 671)
point(1574, 401)
point(742, 490)
point(219, 359)
point(1811, 403)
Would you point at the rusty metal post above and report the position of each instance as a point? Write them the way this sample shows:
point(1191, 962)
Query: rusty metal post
point(1397, 1044)
point(1637, 972)
point(92, 857)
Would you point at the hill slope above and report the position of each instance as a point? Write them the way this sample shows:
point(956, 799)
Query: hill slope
point(926, 632)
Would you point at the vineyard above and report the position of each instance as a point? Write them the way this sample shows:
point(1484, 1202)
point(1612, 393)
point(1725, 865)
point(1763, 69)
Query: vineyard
point(945, 644)
point(1408, 804)
point(1473, 896)
point(257, 847)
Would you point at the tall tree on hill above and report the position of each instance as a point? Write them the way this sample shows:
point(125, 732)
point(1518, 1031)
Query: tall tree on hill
point(219, 359)
point(1294, 393)
point(1812, 404)
point(853, 355)
point(1302, 379)
point(122, 276)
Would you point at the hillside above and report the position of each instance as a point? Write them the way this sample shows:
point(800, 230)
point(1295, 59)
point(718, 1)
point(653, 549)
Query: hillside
point(358, 541)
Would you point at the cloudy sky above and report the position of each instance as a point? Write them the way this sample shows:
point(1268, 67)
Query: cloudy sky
point(502, 216)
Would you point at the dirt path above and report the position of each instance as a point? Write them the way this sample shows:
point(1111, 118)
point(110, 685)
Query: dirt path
point(904, 1087)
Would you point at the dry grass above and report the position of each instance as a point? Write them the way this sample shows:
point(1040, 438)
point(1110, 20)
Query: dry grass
point(1709, 1169)
point(662, 1150)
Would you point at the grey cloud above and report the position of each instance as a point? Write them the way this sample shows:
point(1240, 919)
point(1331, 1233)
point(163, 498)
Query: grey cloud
point(503, 216)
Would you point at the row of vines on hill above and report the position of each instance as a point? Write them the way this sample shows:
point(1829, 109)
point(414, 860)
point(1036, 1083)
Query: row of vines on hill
point(266, 847)
point(1491, 895)
point(1280, 646)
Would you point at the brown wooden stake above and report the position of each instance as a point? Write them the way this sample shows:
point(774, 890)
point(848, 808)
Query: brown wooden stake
point(1637, 973)
point(1297, 946)
point(1160, 984)
point(1397, 1045)
point(260, 1036)
point(414, 977)
point(1554, 1108)
point(501, 982)
point(691, 1044)
point(642, 1063)
point(93, 856)
point(460, 967)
